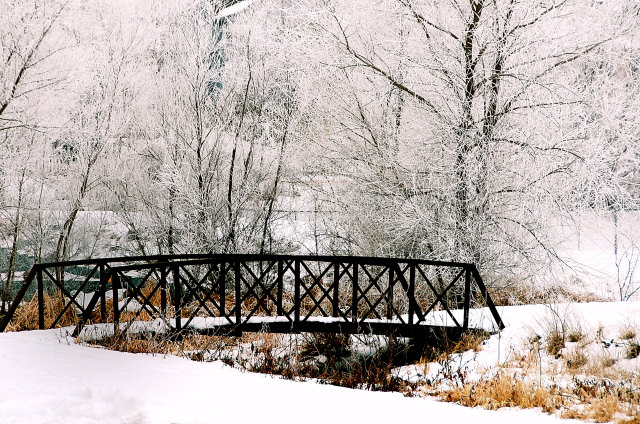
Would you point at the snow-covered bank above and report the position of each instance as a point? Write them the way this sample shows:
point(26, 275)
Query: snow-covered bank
point(600, 324)
point(47, 378)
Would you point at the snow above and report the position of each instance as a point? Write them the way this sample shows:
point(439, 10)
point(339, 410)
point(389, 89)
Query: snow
point(48, 378)
point(236, 8)
point(588, 249)
point(479, 319)
point(598, 322)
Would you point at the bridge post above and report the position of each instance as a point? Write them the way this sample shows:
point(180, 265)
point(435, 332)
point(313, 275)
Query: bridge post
point(178, 297)
point(238, 298)
point(467, 298)
point(222, 283)
point(354, 301)
point(40, 299)
point(390, 294)
point(279, 282)
point(296, 294)
point(336, 291)
point(163, 292)
point(412, 291)
point(115, 286)
point(103, 292)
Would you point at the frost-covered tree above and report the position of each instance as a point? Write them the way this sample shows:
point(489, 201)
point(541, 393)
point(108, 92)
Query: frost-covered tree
point(208, 175)
point(457, 130)
point(32, 35)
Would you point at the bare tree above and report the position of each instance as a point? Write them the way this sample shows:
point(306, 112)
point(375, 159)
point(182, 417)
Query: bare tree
point(31, 38)
point(458, 134)
point(209, 174)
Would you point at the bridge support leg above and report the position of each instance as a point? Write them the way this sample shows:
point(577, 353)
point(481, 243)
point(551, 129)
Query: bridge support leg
point(115, 286)
point(296, 294)
point(354, 304)
point(238, 305)
point(390, 295)
point(336, 291)
point(40, 300)
point(177, 298)
point(467, 300)
point(280, 287)
point(104, 279)
point(163, 292)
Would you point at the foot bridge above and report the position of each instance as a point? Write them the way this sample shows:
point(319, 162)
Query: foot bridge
point(231, 294)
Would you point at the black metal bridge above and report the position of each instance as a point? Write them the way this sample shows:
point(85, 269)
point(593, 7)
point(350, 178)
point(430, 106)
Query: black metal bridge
point(230, 294)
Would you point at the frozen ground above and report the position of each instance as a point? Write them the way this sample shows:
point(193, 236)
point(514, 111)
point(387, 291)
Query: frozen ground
point(46, 377)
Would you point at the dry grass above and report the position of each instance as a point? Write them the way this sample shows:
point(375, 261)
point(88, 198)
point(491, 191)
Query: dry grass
point(629, 420)
point(576, 360)
point(589, 400)
point(628, 334)
point(190, 345)
point(598, 410)
point(26, 316)
point(633, 351)
point(125, 316)
point(555, 342)
point(575, 337)
point(516, 293)
point(602, 410)
point(331, 346)
point(504, 391)
point(608, 362)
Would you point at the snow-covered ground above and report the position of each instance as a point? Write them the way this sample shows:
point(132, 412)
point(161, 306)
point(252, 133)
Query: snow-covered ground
point(601, 326)
point(47, 377)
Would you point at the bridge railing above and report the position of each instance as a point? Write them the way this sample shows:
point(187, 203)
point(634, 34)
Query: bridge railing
point(234, 291)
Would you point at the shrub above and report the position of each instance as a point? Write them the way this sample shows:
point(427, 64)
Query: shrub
point(555, 343)
point(633, 350)
point(628, 334)
point(575, 336)
point(602, 410)
point(332, 346)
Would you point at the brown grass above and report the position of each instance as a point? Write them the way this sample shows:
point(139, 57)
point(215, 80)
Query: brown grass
point(628, 334)
point(633, 351)
point(155, 300)
point(504, 391)
point(629, 420)
point(575, 336)
point(189, 345)
point(576, 359)
point(516, 293)
point(555, 343)
point(602, 410)
point(26, 316)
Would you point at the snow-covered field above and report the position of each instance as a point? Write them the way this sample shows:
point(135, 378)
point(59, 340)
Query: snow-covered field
point(46, 377)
